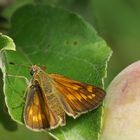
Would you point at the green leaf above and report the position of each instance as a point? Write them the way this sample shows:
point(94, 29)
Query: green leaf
point(67, 45)
point(13, 6)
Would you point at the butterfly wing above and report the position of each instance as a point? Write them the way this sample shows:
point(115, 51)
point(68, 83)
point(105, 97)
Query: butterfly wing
point(37, 114)
point(76, 97)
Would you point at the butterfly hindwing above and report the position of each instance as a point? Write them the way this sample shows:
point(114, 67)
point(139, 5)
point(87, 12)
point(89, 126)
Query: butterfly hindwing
point(76, 97)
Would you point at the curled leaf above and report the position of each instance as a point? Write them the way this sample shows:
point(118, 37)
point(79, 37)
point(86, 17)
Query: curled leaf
point(6, 43)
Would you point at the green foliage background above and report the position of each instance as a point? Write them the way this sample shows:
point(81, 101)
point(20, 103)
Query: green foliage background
point(117, 21)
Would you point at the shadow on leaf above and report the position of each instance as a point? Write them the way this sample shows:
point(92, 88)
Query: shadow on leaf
point(5, 119)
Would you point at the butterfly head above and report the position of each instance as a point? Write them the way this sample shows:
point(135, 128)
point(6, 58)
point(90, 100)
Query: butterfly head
point(36, 69)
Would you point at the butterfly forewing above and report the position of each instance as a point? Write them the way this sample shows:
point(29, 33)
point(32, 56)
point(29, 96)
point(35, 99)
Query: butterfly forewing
point(37, 114)
point(76, 97)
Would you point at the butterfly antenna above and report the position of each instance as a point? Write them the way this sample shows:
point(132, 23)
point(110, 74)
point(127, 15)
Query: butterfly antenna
point(12, 63)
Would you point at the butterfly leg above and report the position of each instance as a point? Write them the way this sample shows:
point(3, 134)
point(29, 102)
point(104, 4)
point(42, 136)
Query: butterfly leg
point(22, 77)
point(22, 101)
point(19, 76)
point(24, 94)
point(18, 106)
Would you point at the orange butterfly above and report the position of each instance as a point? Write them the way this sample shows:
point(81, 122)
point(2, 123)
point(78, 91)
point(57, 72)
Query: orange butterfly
point(51, 96)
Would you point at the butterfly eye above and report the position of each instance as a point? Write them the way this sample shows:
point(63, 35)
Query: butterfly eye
point(32, 72)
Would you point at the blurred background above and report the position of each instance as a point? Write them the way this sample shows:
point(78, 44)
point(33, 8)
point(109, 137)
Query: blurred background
point(116, 21)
